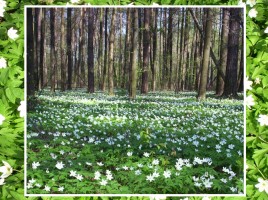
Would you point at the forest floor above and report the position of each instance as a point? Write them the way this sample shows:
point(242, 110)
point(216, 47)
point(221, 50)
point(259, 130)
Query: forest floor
point(80, 143)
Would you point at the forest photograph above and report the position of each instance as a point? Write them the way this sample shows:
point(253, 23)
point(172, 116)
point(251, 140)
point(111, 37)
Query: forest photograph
point(146, 100)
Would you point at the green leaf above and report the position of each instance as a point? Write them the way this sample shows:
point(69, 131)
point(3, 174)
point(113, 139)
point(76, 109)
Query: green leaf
point(14, 93)
point(17, 196)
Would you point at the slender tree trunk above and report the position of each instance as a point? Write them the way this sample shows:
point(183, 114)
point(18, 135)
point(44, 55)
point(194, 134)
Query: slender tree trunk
point(42, 47)
point(164, 68)
point(120, 64)
point(153, 62)
point(63, 68)
point(241, 71)
point(180, 78)
point(134, 52)
point(31, 82)
point(100, 52)
point(146, 51)
point(230, 87)
point(185, 50)
point(69, 47)
point(52, 49)
point(105, 50)
point(204, 73)
point(127, 54)
point(90, 51)
point(111, 54)
point(81, 46)
point(223, 50)
point(169, 46)
point(38, 17)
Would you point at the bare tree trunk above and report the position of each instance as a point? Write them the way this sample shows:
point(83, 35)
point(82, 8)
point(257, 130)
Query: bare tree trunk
point(31, 82)
point(230, 87)
point(153, 61)
point(52, 49)
point(204, 74)
point(241, 71)
point(105, 50)
point(132, 94)
point(42, 47)
point(169, 46)
point(185, 51)
point(146, 51)
point(100, 56)
point(90, 51)
point(69, 47)
point(223, 50)
point(180, 79)
point(63, 68)
point(111, 54)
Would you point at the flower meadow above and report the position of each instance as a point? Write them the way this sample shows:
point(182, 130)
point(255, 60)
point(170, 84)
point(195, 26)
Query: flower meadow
point(155, 144)
point(11, 79)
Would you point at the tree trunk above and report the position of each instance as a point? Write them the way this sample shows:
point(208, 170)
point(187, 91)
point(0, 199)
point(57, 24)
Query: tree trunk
point(169, 47)
point(223, 50)
point(52, 49)
point(135, 33)
point(63, 68)
point(230, 87)
point(153, 62)
point(111, 54)
point(180, 79)
point(31, 82)
point(69, 47)
point(241, 71)
point(146, 51)
point(90, 51)
point(100, 56)
point(42, 48)
point(105, 50)
point(204, 73)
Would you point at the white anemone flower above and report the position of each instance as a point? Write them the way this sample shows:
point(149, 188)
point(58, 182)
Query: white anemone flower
point(263, 120)
point(12, 33)
point(6, 170)
point(252, 13)
point(251, 3)
point(248, 84)
point(2, 118)
point(3, 63)
point(249, 101)
point(22, 108)
point(262, 185)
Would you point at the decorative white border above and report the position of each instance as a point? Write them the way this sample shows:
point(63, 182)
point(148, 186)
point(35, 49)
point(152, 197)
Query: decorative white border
point(129, 195)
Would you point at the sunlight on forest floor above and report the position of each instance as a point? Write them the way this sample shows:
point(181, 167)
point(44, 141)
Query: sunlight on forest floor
point(158, 143)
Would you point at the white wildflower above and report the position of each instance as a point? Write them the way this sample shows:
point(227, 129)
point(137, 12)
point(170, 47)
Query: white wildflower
point(12, 33)
point(252, 13)
point(263, 120)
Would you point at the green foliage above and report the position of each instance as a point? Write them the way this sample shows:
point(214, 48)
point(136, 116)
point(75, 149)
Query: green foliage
point(11, 81)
